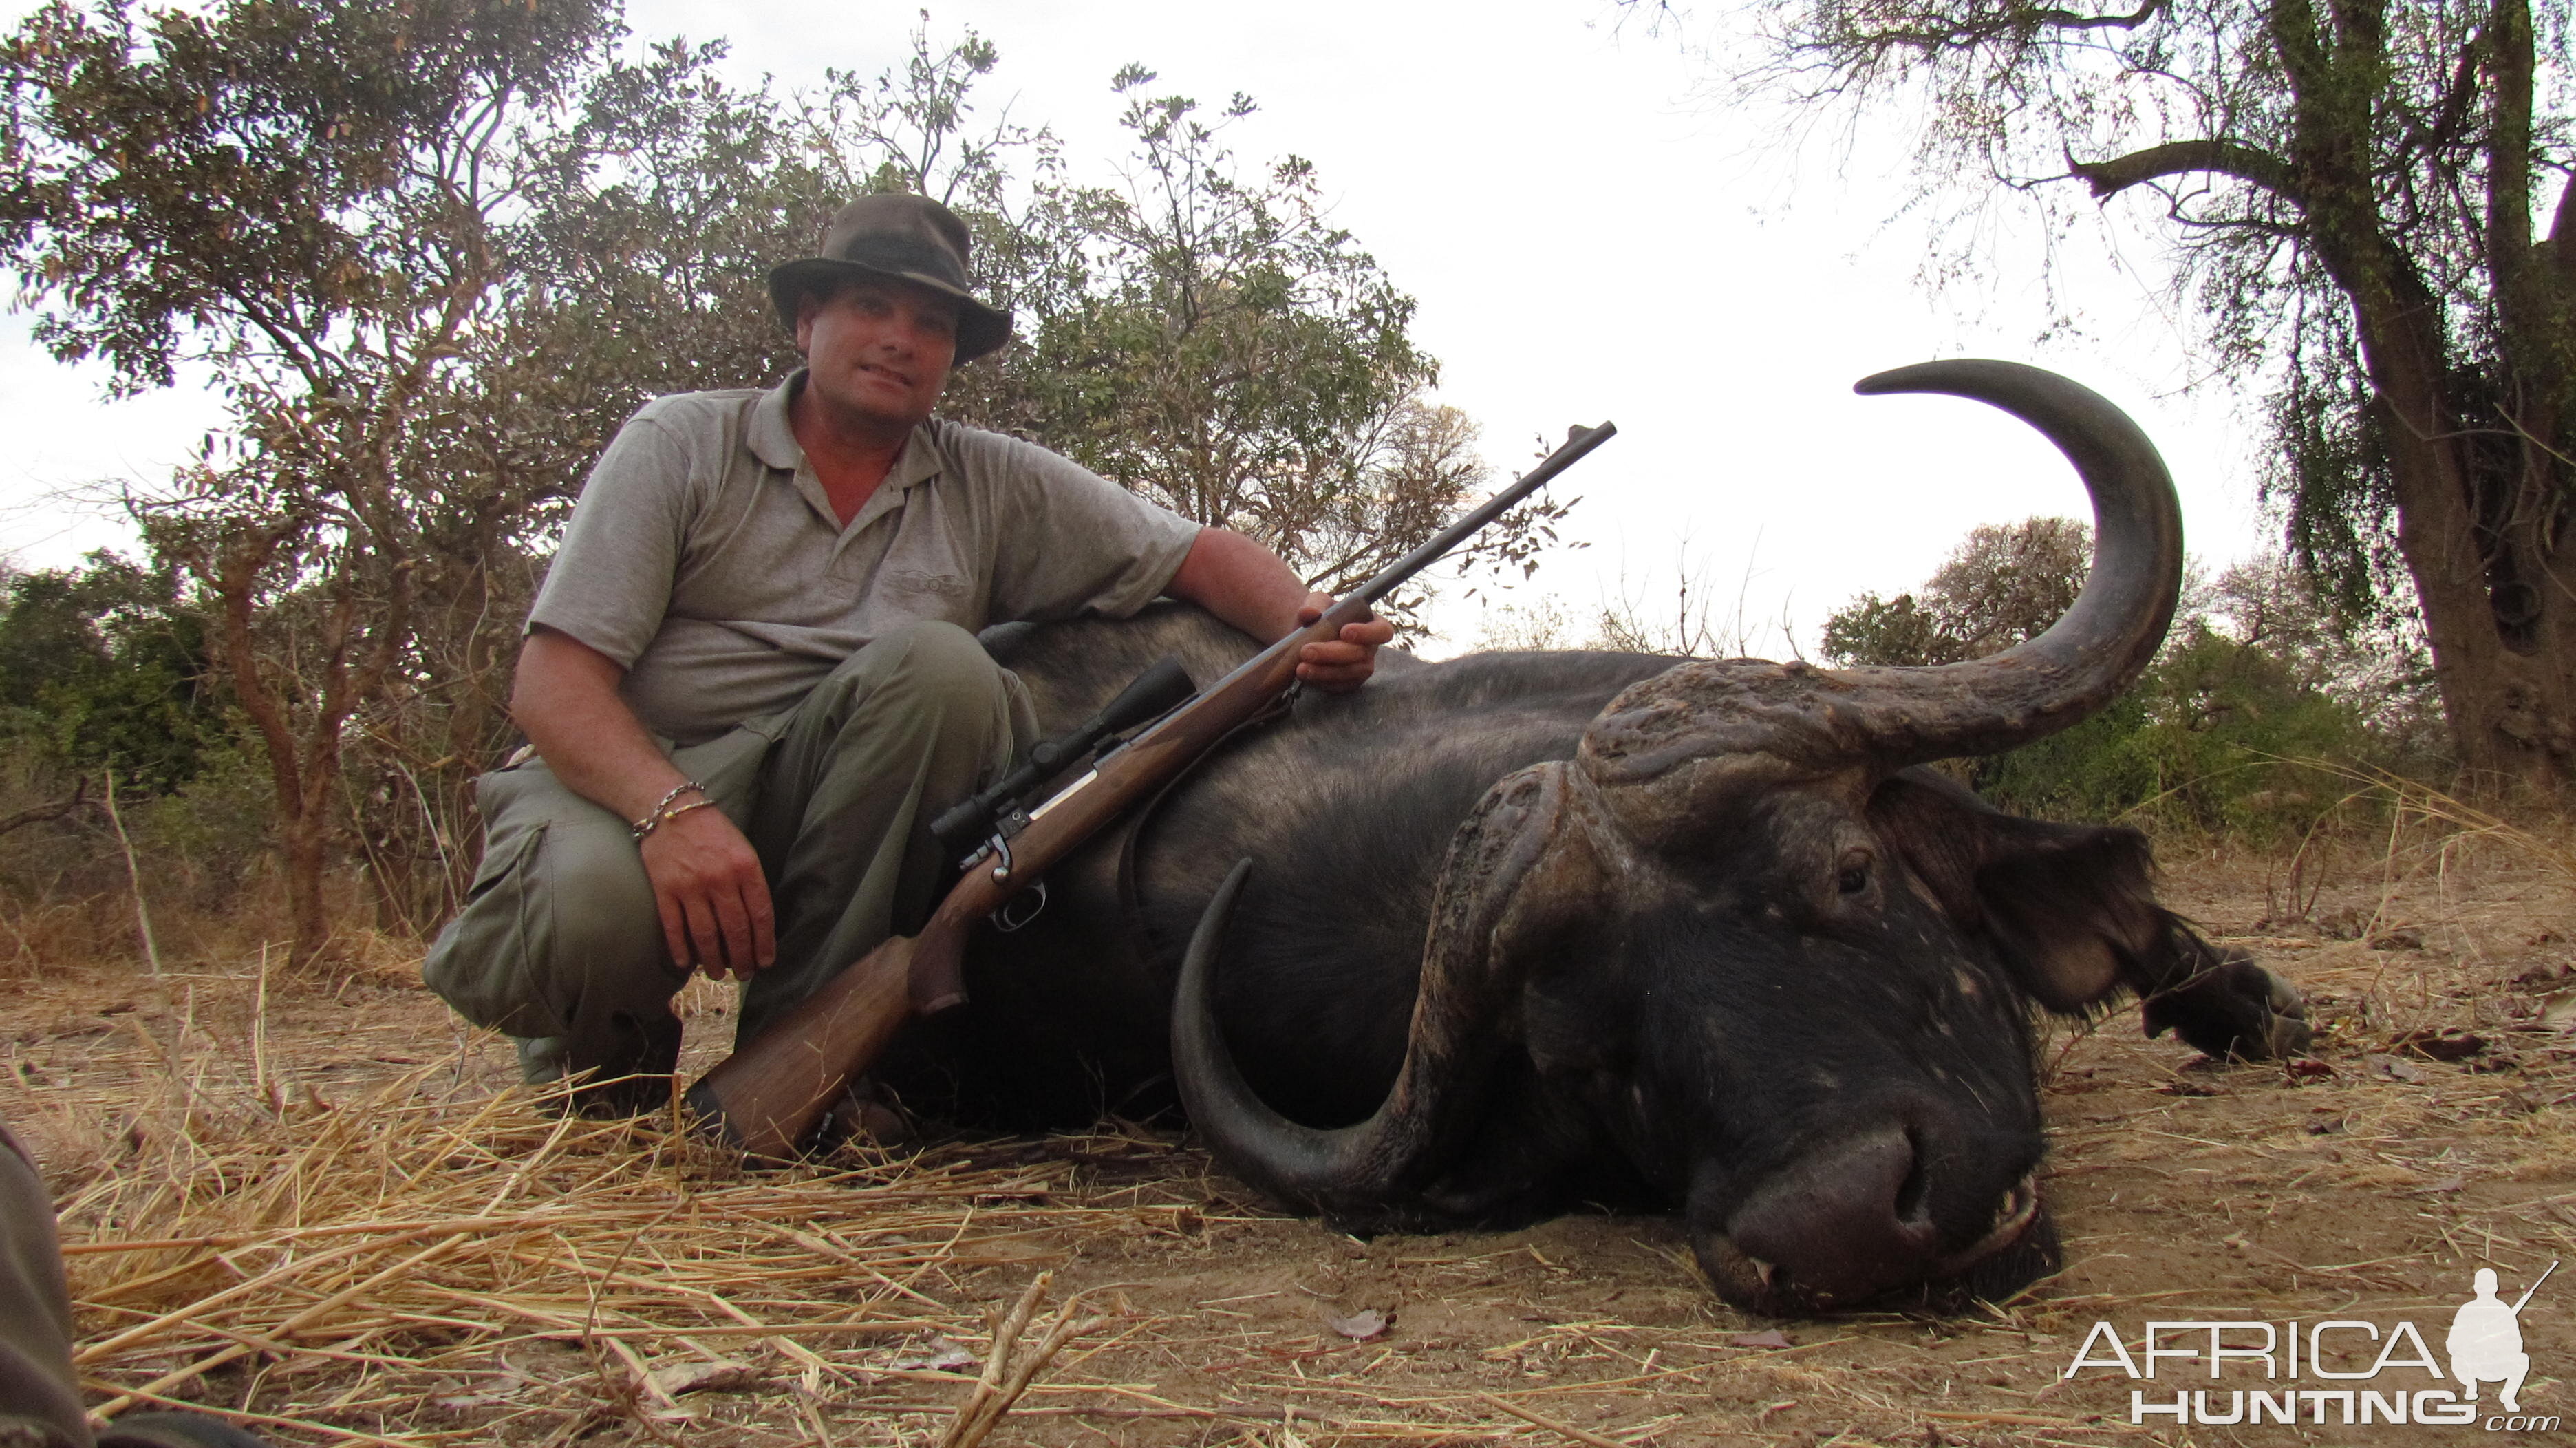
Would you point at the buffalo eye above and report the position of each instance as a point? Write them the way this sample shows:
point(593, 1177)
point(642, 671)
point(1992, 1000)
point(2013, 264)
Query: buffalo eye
point(1851, 877)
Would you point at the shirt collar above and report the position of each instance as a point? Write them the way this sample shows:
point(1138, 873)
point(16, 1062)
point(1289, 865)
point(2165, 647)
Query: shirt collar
point(772, 439)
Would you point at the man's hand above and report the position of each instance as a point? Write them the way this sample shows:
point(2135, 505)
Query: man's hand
point(713, 899)
point(706, 877)
point(1247, 585)
point(1345, 663)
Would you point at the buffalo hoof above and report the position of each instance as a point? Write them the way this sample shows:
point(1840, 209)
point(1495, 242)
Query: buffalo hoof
point(2233, 1009)
point(2287, 1032)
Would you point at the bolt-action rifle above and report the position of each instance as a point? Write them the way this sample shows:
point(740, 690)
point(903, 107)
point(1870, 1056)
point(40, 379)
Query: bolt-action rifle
point(767, 1096)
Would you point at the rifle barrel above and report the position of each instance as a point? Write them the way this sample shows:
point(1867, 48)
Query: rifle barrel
point(2535, 1287)
point(1353, 606)
point(1580, 441)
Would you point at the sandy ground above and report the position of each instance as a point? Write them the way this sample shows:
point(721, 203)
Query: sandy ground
point(643, 1293)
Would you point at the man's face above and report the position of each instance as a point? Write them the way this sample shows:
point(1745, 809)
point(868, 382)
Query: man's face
point(878, 351)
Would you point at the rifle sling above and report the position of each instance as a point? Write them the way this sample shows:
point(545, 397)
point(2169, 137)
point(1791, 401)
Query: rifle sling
point(1131, 903)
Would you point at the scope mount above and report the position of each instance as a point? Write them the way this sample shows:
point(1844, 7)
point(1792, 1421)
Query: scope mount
point(985, 823)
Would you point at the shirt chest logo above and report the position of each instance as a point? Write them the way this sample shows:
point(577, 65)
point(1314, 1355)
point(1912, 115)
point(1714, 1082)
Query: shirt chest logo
point(921, 581)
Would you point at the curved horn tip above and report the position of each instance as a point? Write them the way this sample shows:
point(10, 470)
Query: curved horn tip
point(1277, 1156)
point(1223, 901)
point(1946, 374)
point(1198, 962)
point(2103, 642)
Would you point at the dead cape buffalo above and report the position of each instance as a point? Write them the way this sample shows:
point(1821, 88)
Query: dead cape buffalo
point(1517, 932)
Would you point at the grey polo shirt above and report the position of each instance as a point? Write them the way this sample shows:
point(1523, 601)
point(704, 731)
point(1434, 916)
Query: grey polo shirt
point(705, 557)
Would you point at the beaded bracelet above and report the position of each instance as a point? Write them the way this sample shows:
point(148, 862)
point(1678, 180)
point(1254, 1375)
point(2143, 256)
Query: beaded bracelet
point(669, 815)
point(662, 814)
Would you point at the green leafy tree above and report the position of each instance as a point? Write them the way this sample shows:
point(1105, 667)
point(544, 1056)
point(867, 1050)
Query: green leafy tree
point(2374, 207)
point(102, 668)
point(631, 264)
point(1875, 630)
point(2261, 680)
point(2221, 736)
point(2000, 586)
point(302, 196)
point(2373, 662)
point(1236, 357)
point(918, 128)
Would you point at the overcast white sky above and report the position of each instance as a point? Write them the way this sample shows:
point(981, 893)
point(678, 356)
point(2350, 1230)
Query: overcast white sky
point(1589, 238)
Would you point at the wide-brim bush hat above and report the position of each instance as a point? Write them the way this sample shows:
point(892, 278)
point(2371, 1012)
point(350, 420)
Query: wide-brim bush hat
point(908, 238)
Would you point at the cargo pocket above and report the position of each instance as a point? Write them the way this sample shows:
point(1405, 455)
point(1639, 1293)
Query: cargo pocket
point(730, 764)
point(485, 962)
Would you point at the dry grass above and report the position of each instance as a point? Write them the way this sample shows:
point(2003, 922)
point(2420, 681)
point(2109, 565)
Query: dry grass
point(416, 1251)
point(320, 1211)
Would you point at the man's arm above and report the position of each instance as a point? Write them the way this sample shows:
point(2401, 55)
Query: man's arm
point(1249, 587)
point(707, 883)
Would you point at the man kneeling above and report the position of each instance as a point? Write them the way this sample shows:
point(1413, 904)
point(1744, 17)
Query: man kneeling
point(750, 680)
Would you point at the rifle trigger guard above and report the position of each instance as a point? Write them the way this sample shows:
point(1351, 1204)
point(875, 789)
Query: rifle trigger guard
point(1006, 922)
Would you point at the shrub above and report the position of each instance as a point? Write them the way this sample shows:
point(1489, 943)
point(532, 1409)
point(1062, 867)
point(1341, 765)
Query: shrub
point(2260, 688)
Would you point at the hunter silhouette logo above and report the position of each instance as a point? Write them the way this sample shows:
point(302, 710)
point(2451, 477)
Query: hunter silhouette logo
point(2486, 1340)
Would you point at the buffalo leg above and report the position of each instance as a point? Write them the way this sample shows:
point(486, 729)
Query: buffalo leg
point(2222, 1002)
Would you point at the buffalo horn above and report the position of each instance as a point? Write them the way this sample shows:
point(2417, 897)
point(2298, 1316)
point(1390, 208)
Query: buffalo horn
point(1667, 747)
point(1522, 862)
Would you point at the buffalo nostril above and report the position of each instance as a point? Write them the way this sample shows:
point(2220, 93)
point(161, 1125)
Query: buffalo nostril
point(1844, 1223)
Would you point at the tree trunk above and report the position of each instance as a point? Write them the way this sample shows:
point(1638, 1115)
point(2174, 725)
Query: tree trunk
point(305, 839)
point(2480, 507)
point(2500, 639)
point(305, 773)
point(2469, 424)
point(2481, 500)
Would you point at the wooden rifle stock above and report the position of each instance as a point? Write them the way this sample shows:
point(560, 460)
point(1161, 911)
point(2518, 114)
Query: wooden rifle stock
point(768, 1095)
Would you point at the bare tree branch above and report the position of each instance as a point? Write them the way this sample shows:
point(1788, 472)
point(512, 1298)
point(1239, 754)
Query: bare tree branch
point(2249, 164)
point(2069, 20)
point(43, 812)
point(2008, 24)
point(2451, 114)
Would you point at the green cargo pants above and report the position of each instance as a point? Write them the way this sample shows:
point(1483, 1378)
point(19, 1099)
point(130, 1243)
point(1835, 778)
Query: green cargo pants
point(559, 943)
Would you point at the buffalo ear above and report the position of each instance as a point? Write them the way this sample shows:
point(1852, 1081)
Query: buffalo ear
point(2073, 910)
point(2071, 907)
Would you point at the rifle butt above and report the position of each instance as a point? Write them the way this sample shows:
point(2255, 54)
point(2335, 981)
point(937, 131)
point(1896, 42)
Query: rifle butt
point(768, 1096)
